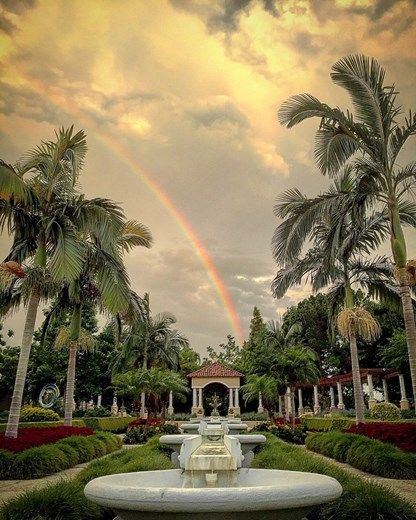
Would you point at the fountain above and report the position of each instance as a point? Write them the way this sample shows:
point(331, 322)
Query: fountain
point(212, 479)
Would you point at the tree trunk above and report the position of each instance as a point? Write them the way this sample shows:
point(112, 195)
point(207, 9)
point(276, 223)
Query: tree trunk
point(19, 384)
point(410, 326)
point(356, 378)
point(70, 385)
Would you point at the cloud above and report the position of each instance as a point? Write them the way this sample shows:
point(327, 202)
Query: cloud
point(11, 10)
point(224, 16)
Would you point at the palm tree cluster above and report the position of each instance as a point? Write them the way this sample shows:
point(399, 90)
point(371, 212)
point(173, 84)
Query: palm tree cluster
point(370, 200)
point(65, 246)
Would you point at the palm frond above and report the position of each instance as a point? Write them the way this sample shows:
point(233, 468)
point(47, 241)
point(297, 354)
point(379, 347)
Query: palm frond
point(134, 234)
point(300, 107)
point(12, 185)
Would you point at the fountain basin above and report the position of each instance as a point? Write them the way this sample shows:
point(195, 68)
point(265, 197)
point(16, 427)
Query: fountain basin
point(193, 427)
point(246, 494)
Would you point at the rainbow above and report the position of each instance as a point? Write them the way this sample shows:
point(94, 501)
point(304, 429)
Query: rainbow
point(127, 158)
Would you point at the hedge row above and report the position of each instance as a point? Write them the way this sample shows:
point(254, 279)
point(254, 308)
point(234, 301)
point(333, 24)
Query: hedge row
point(66, 499)
point(325, 424)
point(44, 424)
point(372, 456)
point(361, 499)
point(51, 458)
point(107, 424)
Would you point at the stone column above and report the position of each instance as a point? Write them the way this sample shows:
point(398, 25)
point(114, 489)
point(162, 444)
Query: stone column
point(230, 399)
point(332, 397)
point(385, 390)
point(194, 401)
point(279, 411)
point(170, 407)
point(260, 408)
point(341, 405)
point(142, 405)
point(99, 401)
point(316, 407)
point(300, 398)
point(404, 402)
point(236, 401)
point(199, 397)
point(288, 404)
point(371, 400)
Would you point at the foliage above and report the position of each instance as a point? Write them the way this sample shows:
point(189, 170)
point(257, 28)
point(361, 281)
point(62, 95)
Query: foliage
point(358, 321)
point(228, 354)
point(253, 416)
point(189, 360)
point(323, 424)
point(266, 385)
point(98, 411)
point(139, 435)
point(385, 411)
point(44, 460)
point(45, 424)
point(9, 357)
point(360, 499)
point(402, 435)
point(109, 424)
point(37, 414)
point(366, 454)
point(295, 435)
point(394, 354)
point(31, 437)
point(66, 500)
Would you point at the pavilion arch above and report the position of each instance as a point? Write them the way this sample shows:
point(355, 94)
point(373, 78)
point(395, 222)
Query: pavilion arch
point(220, 374)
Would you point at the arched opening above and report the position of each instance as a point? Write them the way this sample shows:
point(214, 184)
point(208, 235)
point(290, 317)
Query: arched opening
point(221, 391)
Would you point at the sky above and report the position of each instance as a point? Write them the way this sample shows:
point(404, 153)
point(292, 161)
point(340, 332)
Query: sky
point(179, 100)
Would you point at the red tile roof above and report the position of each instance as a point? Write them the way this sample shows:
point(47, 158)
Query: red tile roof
point(215, 370)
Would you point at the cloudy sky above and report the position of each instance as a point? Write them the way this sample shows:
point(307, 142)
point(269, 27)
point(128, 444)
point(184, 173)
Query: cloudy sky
point(179, 101)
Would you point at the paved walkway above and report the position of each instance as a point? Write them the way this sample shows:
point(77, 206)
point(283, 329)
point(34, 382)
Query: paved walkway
point(405, 488)
point(11, 488)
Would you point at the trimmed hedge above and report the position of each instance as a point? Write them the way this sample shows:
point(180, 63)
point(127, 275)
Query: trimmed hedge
point(51, 458)
point(372, 456)
point(109, 424)
point(325, 424)
point(37, 414)
point(66, 499)
point(361, 499)
point(44, 424)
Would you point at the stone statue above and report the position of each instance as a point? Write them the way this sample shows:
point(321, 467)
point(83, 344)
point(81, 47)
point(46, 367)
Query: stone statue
point(215, 403)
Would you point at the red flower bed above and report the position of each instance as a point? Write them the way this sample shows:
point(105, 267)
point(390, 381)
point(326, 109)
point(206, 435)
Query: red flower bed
point(30, 437)
point(154, 421)
point(402, 435)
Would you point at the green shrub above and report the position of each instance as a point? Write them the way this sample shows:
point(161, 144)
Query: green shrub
point(70, 453)
point(6, 459)
point(285, 432)
point(324, 424)
point(360, 499)
point(111, 441)
point(253, 416)
point(407, 414)
point(138, 435)
point(99, 411)
point(109, 424)
point(82, 446)
point(99, 446)
point(36, 414)
point(372, 456)
point(38, 462)
point(385, 411)
point(169, 429)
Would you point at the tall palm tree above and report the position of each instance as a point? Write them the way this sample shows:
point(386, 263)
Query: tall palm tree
point(103, 281)
point(41, 207)
point(371, 139)
point(340, 235)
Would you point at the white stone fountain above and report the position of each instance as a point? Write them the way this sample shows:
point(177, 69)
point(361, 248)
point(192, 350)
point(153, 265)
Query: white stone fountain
point(211, 481)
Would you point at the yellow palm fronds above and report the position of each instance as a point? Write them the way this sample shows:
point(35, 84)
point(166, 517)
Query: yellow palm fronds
point(357, 320)
point(85, 341)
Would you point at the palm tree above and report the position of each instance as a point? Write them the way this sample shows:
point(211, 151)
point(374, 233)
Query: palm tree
point(75, 339)
point(340, 235)
point(297, 364)
point(371, 140)
point(266, 386)
point(151, 342)
point(154, 382)
point(41, 207)
point(103, 280)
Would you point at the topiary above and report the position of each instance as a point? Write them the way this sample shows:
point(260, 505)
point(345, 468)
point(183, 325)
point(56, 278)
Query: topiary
point(37, 414)
point(385, 411)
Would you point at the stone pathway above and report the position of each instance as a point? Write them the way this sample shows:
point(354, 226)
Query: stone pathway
point(11, 488)
point(405, 488)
